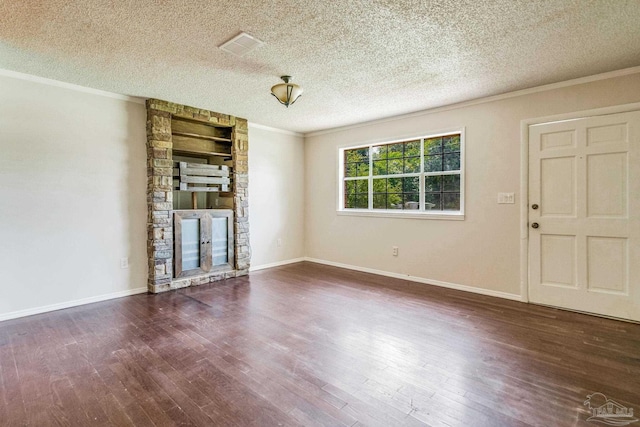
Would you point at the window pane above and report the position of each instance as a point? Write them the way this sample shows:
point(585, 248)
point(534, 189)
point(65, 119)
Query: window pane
point(440, 192)
point(362, 201)
point(451, 143)
point(352, 170)
point(412, 201)
point(395, 150)
point(433, 183)
point(363, 169)
point(433, 146)
point(379, 167)
point(452, 162)
point(394, 185)
point(349, 187)
point(380, 185)
point(350, 201)
point(356, 193)
point(380, 201)
point(451, 201)
point(412, 165)
point(411, 185)
point(432, 201)
point(395, 166)
point(358, 155)
point(412, 148)
point(433, 163)
point(394, 201)
point(451, 183)
point(379, 152)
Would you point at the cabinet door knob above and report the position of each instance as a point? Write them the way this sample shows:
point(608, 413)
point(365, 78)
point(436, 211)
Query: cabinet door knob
point(534, 206)
point(535, 225)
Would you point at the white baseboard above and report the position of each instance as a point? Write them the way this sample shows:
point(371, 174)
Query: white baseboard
point(456, 286)
point(105, 297)
point(276, 264)
point(68, 304)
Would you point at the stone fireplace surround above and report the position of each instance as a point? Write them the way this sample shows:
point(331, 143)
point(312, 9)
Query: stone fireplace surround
point(160, 243)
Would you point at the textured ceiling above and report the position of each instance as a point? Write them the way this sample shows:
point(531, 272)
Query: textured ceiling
point(357, 60)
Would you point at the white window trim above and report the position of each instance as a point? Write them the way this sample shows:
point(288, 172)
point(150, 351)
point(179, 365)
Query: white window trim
point(413, 214)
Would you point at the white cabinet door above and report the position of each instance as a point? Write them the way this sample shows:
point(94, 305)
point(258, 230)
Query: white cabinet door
point(584, 214)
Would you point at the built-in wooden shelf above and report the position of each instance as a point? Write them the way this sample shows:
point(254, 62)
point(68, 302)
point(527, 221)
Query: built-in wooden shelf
point(195, 135)
point(188, 144)
point(205, 152)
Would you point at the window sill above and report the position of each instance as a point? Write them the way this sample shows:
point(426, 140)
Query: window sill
point(453, 216)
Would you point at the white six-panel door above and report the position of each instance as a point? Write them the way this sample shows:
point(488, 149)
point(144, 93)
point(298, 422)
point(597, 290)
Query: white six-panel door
point(584, 214)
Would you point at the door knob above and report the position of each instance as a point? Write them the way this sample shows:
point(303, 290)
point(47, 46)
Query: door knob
point(535, 225)
point(534, 206)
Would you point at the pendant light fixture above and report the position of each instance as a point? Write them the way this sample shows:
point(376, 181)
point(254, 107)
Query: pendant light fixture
point(287, 93)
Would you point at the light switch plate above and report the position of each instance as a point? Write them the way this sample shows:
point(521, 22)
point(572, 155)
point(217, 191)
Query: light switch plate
point(506, 198)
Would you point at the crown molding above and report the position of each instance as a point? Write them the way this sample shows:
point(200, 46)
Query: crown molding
point(71, 86)
point(477, 101)
point(277, 130)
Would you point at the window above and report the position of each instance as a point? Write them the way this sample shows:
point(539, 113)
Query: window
point(422, 176)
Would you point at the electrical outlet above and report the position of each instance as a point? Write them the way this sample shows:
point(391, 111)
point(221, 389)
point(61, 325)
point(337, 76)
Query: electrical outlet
point(394, 250)
point(279, 243)
point(124, 262)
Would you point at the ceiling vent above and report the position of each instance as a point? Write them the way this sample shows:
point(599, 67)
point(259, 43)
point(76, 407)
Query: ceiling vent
point(241, 44)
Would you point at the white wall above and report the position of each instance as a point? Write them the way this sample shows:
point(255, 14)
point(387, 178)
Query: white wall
point(482, 251)
point(72, 196)
point(276, 196)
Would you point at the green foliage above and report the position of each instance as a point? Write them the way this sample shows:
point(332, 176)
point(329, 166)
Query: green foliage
point(451, 182)
point(398, 158)
point(442, 153)
point(451, 201)
point(433, 146)
point(451, 162)
point(433, 184)
point(394, 193)
point(412, 165)
point(356, 162)
point(451, 143)
point(356, 194)
point(412, 149)
point(357, 155)
point(433, 163)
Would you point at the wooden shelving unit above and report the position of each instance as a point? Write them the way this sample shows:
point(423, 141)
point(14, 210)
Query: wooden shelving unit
point(195, 135)
point(197, 140)
point(199, 206)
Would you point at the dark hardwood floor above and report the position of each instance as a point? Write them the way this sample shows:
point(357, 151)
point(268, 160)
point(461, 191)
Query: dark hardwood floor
point(313, 345)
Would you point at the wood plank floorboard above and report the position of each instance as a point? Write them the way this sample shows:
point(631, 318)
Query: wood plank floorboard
point(313, 345)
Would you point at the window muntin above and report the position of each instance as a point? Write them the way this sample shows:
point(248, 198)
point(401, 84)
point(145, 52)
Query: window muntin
point(417, 175)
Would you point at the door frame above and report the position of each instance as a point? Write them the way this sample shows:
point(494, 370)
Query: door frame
point(524, 177)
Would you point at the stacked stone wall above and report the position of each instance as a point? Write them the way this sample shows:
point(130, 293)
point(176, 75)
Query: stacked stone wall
point(160, 245)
